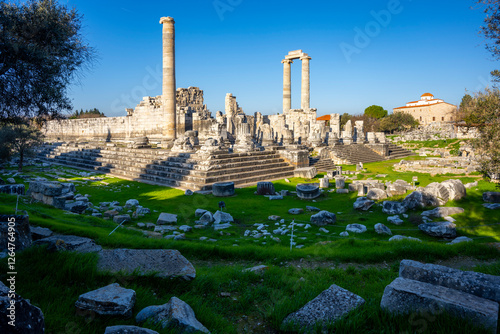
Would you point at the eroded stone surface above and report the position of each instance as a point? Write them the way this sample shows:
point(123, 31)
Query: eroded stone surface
point(28, 318)
point(166, 263)
point(128, 330)
point(174, 314)
point(110, 300)
point(329, 306)
point(444, 229)
point(323, 218)
point(404, 296)
point(478, 284)
point(69, 243)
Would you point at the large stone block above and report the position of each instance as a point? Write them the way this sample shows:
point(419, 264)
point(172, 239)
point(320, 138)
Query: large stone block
point(166, 263)
point(69, 243)
point(28, 318)
point(13, 189)
point(265, 188)
point(444, 229)
point(223, 189)
point(393, 207)
point(442, 212)
point(111, 300)
point(128, 330)
point(47, 188)
point(167, 219)
point(404, 296)
point(329, 306)
point(22, 236)
point(491, 196)
point(323, 218)
point(308, 190)
point(306, 172)
point(478, 284)
point(176, 314)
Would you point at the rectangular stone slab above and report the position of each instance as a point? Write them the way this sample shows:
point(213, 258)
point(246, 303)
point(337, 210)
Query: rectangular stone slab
point(478, 284)
point(166, 263)
point(329, 306)
point(404, 296)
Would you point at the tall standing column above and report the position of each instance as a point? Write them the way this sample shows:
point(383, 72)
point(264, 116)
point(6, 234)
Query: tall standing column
point(169, 89)
point(305, 93)
point(287, 85)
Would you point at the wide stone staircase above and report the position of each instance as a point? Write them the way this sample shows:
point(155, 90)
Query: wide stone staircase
point(321, 164)
point(354, 154)
point(162, 167)
point(397, 152)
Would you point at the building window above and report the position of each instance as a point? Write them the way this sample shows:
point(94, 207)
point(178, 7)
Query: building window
point(433, 119)
point(442, 118)
point(420, 118)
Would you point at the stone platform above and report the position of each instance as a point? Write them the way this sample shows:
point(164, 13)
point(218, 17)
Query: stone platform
point(162, 167)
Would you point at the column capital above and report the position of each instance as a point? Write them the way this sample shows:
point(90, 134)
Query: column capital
point(287, 61)
point(305, 58)
point(167, 19)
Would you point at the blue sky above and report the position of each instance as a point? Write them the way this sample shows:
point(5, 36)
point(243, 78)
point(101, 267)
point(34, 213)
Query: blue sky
point(363, 52)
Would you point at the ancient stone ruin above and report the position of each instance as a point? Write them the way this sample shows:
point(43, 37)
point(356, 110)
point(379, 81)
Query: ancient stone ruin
point(174, 140)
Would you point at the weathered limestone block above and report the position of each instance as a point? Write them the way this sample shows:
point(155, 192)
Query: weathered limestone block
point(329, 306)
point(477, 284)
point(28, 318)
point(444, 229)
point(38, 233)
point(491, 196)
point(111, 300)
point(128, 330)
point(393, 207)
point(265, 188)
point(442, 212)
point(382, 229)
point(21, 226)
point(323, 218)
point(404, 296)
point(376, 194)
point(306, 172)
point(308, 190)
point(363, 203)
point(69, 243)
point(223, 189)
point(13, 189)
point(296, 158)
point(166, 263)
point(339, 182)
point(324, 182)
point(175, 314)
point(167, 219)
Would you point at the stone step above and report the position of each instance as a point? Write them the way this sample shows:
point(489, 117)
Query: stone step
point(161, 167)
point(404, 296)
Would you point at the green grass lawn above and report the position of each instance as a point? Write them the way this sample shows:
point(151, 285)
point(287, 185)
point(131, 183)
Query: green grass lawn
point(250, 303)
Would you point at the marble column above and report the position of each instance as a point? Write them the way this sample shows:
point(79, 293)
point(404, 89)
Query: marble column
point(169, 89)
point(287, 85)
point(305, 93)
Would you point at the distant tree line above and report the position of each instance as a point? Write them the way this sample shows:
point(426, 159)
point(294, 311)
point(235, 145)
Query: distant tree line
point(376, 119)
point(92, 113)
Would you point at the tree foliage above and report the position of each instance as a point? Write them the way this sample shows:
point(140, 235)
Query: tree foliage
point(375, 112)
point(18, 139)
point(344, 118)
point(397, 122)
point(41, 49)
point(483, 111)
point(491, 30)
point(92, 113)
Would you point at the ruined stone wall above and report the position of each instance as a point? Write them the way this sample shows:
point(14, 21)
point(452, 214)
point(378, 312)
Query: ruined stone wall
point(147, 119)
